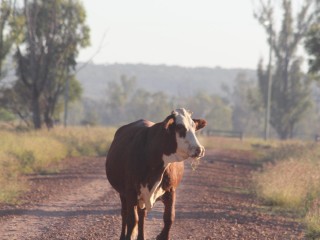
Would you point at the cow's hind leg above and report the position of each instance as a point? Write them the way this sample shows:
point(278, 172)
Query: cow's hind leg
point(124, 217)
point(168, 199)
point(142, 214)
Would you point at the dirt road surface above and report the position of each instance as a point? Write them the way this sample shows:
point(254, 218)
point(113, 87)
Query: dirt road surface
point(213, 202)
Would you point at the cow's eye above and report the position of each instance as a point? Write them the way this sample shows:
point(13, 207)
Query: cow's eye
point(180, 127)
point(181, 130)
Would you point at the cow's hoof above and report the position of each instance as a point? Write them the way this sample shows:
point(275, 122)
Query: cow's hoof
point(140, 237)
point(162, 237)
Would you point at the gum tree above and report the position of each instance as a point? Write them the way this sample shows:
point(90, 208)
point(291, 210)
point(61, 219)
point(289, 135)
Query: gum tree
point(290, 87)
point(53, 35)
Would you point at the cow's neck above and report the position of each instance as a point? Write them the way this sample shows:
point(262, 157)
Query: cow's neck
point(161, 143)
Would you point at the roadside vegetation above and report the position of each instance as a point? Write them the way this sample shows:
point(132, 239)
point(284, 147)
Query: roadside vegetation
point(254, 145)
point(287, 176)
point(290, 179)
point(39, 152)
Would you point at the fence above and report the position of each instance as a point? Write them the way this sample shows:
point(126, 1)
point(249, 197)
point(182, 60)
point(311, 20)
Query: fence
point(223, 133)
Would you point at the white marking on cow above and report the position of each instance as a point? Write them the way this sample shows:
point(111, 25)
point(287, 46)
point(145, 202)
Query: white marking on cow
point(174, 157)
point(147, 197)
point(188, 144)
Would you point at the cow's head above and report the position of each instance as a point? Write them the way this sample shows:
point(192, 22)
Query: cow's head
point(183, 127)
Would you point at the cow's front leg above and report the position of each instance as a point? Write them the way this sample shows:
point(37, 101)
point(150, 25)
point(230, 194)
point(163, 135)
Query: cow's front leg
point(142, 214)
point(124, 217)
point(168, 199)
point(132, 216)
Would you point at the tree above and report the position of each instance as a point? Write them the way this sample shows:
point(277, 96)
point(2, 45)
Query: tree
point(125, 103)
point(10, 30)
point(312, 43)
point(118, 95)
point(290, 87)
point(5, 39)
point(17, 103)
point(54, 32)
point(219, 115)
point(215, 109)
point(161, 105)
point(138, 105)
point(5, 116)
point(246, 108)
point(5, 43)
point(312, 46)
point(200, 103)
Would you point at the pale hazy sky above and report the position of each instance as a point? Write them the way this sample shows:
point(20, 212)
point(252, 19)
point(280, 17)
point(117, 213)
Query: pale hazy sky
point(175, 32)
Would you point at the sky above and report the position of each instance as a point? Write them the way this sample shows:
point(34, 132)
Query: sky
point(203, 33)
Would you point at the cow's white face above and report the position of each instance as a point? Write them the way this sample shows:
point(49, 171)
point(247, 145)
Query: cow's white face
point(185, 128)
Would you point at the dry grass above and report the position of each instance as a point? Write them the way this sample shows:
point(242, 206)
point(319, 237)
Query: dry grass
point(290, 178)
point(40, 151)
point(289, 175)
point(10, 186)
point(289, 183)
point(312, 220)
point(84, 141)
point(225, 143)
point(255, 145)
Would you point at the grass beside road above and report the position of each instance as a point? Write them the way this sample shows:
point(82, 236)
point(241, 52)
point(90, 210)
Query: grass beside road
point(290, 178)
point(247, 144)
point(40, 152)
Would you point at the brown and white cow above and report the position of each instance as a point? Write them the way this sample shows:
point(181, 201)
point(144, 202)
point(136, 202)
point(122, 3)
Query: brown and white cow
point(145, 164)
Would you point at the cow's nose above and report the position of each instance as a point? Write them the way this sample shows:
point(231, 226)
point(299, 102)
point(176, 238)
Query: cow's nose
point(199, 151)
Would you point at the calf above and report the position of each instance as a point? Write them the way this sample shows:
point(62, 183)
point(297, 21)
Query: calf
point(145, 164)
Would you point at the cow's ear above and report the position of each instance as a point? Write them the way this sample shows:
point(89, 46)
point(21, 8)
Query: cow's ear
point(200, 123)
point(169, 121)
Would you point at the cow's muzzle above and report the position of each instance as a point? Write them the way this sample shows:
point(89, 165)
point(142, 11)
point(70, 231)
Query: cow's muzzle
point(198, 152)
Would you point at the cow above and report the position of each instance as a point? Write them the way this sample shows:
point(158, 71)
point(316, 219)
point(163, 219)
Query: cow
point(145, 163)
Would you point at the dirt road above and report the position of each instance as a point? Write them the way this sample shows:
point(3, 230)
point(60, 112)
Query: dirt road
point(213, 202)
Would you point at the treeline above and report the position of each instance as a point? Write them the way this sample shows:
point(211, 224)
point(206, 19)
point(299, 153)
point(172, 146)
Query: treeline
point(125, 102)
point(173, 80)
point(239, 108)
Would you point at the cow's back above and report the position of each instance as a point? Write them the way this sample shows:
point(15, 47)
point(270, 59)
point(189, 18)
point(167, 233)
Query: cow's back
point(127, 143)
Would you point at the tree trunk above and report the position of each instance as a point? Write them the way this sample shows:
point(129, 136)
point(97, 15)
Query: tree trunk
point(36, 117)
point(48, 118)
point(283, 134)
point(48, 121)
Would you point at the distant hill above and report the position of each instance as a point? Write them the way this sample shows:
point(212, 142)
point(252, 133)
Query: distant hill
point(173, 80)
